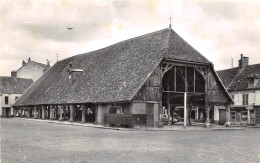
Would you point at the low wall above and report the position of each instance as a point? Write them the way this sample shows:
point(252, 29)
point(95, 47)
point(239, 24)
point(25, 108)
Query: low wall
point(125, 119)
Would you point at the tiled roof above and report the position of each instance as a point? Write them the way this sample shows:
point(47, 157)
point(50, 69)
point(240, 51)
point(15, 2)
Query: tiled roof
point(10, 85)
point(237, 79)
point(111, 74)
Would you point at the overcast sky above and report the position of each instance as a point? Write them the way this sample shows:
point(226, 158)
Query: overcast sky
point(38, 28)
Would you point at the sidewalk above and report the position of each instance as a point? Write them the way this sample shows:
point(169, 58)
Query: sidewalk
point(176, 127)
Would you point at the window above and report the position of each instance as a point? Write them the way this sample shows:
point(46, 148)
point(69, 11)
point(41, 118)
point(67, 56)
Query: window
point(251, 83)
point(244, 115)
point(16, 97)
point(116, 109)
point(245, 99)
point(6, 100)
point(233, 116)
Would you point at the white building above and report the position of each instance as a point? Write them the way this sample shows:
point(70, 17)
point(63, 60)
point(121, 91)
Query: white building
point(243, 83)
point(11, 88)
point(32, 70)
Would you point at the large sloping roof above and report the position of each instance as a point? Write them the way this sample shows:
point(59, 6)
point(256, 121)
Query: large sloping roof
point(111, 74)
point(237, 79)
point(10, 85)
point(180, 50)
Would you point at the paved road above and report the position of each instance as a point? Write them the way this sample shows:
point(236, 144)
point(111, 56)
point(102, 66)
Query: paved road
point(30, 141)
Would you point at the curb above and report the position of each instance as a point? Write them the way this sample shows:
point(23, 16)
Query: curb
point(136, 129)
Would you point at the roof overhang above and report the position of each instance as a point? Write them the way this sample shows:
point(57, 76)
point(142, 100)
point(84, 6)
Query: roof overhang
point(185, 63)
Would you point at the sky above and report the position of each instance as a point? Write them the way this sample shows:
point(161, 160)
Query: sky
point(219, 30)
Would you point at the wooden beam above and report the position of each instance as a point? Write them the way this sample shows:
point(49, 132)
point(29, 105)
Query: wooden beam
point(167, 68)
point(186, 79)
point(174, 78)
point(194, 78)
point(201, 72)
point(185, 64)
point(168, 104)
point(185, 110)
point(192, 93)
point(206, 97)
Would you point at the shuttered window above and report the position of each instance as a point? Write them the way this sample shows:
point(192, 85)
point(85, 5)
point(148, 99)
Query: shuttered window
point(6, 100)
point(245, 99)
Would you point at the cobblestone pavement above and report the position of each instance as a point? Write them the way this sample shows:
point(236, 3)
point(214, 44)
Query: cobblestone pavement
point(31, 141)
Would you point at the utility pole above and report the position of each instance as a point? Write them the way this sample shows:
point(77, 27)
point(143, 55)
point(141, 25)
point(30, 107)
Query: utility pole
point(231, 62)
point(57, 55)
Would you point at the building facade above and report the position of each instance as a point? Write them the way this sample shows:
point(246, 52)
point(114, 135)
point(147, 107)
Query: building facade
point(243, 83)
point(32, 70)
point(129, 84)
point(11, 88)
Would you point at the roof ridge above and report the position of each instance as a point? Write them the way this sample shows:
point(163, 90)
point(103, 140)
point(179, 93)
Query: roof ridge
point(129, 39)
point(238, 67)
point(168, 41)
point(39, 63)
point(227, 69)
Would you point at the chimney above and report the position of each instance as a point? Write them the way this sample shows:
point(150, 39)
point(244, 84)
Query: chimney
point(24, 63)
point(48, 63)
point(14, 74)
point(243, 62)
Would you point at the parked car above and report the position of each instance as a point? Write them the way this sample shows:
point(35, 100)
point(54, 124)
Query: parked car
point(165, 119)
point(178, 118)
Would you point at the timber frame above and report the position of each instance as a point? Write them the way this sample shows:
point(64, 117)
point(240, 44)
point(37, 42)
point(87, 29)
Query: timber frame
point(199, 70)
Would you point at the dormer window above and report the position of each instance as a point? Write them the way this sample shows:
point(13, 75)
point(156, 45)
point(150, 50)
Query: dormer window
point(71, 71)
point(251, 83)
point(253, 79)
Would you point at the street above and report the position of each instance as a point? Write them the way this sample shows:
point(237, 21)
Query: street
point(30, 141)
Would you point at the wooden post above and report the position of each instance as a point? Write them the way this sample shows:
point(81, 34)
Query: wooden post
point(51, 112)
point(47, 111)
point(207, 123)
point(168, 104)
point(228, 115)
point(39, 112)
point(169, 114)
point(72, 113)
point(43, 112)
point(160, 109)
point(248, 117)
point(254, 116)
point(14, 111)
point(186, 98)
point(28, 112)
point(173, 108)
point(54, 113)
point(207, 108)
point(185, 111)
point(22, 112)
point(188, 109)
point(65, 107)
point(83, 113)
point(197, 114)
point(34, 112)
point(194, 78)
point(61, 109)
point(174, 78)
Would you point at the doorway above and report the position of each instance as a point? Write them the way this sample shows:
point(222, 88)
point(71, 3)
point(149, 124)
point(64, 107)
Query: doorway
point(222, 116)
